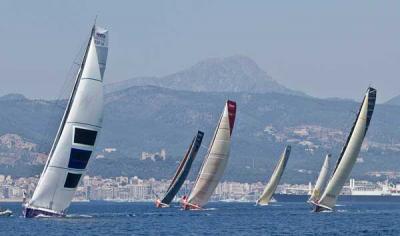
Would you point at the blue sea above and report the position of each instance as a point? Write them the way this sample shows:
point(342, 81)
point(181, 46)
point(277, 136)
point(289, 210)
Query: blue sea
point(350, 218)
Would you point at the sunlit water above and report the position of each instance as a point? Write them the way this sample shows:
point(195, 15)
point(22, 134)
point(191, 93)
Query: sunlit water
point(219, 218)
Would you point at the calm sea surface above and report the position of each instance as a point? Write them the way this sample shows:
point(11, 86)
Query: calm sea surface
point(375, 218)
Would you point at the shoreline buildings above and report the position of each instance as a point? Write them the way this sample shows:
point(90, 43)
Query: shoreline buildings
point(134, 189)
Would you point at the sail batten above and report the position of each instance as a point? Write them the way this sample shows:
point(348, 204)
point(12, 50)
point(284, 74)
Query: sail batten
point(215, 161)
point(349, 153)
point(77, 134)
point(275, 178)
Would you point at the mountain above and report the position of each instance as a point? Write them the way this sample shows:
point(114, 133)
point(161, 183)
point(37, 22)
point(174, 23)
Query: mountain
point(13, 97)
point(148, 118)
point(230, 74)
point(394, 101)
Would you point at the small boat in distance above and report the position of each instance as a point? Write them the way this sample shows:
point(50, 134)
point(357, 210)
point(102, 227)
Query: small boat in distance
point(269, 190)
point(182, 171)
point(5, 213)
point(76, 136)
point(349, 153)
point(215, 161)
point(321, 181)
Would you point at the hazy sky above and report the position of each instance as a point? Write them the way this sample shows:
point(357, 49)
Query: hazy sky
point(326, 49)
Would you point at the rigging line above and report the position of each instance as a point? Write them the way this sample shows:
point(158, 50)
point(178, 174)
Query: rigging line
point(59, 102)
point(72, 71)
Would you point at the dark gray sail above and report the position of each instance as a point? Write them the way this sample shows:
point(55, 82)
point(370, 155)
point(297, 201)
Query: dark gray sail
point(182, 172)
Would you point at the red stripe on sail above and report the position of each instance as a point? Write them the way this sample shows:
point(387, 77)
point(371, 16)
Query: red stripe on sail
point(231, 114)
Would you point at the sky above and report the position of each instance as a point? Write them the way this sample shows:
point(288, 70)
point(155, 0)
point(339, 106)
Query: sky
point(323, 48)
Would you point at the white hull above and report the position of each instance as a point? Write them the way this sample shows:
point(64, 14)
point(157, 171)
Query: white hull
point(6, 213)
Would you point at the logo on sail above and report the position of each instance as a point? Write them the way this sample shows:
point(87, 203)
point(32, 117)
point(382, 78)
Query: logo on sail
point(100, 39)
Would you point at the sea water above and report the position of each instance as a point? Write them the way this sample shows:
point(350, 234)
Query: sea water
point(281, 218)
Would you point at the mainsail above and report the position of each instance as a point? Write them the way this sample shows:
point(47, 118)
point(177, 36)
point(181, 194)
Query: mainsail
point(215, 160)
point(349, 153)
point(182, 171)
point(76, 137)
point(321, 181)
point(275, 178)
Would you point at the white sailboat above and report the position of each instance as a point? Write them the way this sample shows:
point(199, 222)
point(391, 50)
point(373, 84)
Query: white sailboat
point(77, 134)
point(321, 181)
point(214, 162)
point(270, 188)
point(5, 213)
point(349, 153)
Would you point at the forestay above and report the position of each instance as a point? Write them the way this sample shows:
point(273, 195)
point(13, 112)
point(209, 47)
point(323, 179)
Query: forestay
point(77, 135)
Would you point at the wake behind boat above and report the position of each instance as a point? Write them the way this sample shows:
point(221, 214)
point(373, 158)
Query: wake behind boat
point(215, 161)
point(182, 171)
point(76, 137)
point(348, 154)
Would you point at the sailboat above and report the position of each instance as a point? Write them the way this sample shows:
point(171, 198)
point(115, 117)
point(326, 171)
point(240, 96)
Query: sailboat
point(215, 161)
point(5, 213)
point(269, 190)
point(349, 153)
point(76, 136)
point(321, 181)
point(182, 171)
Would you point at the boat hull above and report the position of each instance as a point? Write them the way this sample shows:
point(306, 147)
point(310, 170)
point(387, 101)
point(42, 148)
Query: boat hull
point(189, 206)
point(6, 213)
point(320, 208)
point(160, 204)
point(29, 212)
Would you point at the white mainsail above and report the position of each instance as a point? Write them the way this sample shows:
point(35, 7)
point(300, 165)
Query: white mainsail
point(321, 181)
point(349, 153)
point(269, 190)
point(76, 137)
point(215, 161)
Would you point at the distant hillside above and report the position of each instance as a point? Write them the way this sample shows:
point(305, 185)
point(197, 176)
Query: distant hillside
point(148, 118)
point(394, 101)
point(230, 74)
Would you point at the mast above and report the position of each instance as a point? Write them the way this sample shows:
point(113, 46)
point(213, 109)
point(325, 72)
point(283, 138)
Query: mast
point(270, 188)
point(321, 181)
point(349, 153)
